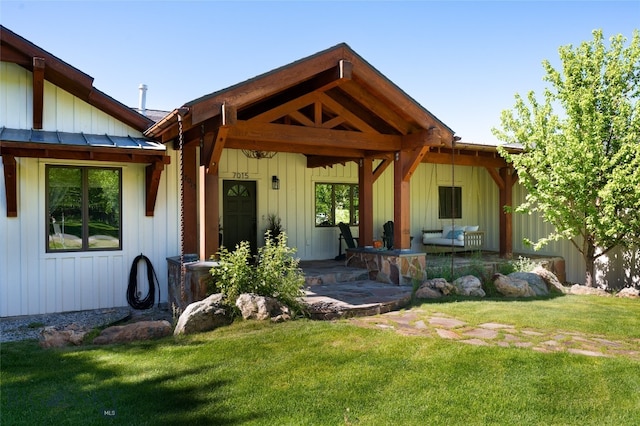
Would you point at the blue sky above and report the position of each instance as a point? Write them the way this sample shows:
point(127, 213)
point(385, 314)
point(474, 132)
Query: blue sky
point(462, 60)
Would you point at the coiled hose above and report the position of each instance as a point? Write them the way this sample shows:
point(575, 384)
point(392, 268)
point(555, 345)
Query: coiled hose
point(132, 289)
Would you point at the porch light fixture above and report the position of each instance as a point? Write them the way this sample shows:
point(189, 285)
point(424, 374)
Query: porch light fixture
point(275, 183)
point(254, 153)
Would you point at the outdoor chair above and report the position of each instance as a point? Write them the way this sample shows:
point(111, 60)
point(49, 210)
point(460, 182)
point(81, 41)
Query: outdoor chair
point(349, 239)
point(387, 235)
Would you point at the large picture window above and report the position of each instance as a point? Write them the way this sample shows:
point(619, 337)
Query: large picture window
point(335, 203)
point(83, 208)
point(449, 202)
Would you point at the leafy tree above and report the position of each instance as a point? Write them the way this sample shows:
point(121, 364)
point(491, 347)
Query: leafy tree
point(581, 166)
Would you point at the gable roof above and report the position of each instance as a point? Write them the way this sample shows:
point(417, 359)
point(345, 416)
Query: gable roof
point(17, 50)
point(335, 100)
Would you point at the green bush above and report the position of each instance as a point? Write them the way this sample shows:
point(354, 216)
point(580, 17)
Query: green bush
point(275, 273)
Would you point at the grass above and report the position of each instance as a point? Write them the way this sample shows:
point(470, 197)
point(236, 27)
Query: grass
point(333, 373)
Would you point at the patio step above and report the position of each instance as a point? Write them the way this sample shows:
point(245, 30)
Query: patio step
point(326, 273)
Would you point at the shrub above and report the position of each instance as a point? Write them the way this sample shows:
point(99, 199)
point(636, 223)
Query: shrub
point(275, 274)
point(233, 275)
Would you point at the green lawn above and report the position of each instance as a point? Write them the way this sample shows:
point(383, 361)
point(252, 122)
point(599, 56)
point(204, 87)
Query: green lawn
point(334, 373)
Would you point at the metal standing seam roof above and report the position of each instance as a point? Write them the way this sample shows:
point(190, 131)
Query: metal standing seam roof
point(78, 139)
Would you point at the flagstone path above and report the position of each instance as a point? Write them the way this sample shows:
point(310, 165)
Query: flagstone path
point(418, 322)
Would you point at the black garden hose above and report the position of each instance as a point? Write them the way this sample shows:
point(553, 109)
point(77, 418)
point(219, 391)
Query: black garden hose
point(132, 289)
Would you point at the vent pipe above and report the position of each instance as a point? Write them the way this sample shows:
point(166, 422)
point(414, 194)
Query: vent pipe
point(142, 101)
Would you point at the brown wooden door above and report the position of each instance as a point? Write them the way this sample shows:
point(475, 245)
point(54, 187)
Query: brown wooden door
point(239, 217)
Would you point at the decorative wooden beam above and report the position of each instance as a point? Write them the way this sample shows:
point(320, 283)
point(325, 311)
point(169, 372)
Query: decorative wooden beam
point(412, 162)
point(496, 177)
point(38, 91)
point(214, 147)
point(306, 148)
point(378, 108)
point(190, 179)
point(401, 203)
point(365, 207)
point(299, 135)
point(380, 168)
point(270, 83)
point(286, 108)
point(10, 184)
point(315, 161)
point(428, 137)
point(211, 218)
point(340, 110)
point(153, 172)
point(464, 159)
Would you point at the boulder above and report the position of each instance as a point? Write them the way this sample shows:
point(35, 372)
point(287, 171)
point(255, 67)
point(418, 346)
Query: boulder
point(535, 281)
point(512, 287)
point(468, 286)
point(553, 283)
point(142, 330)
point(50, 337)
point(426, 292)
point(629, 292)
point(204, 315)
point(584, 290)
point(253, 306)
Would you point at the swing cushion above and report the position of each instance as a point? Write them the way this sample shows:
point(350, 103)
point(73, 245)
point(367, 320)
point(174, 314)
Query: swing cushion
point(452, 233)
point(456, 235)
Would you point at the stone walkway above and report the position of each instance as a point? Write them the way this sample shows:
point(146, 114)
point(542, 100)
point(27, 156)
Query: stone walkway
point(418, 322)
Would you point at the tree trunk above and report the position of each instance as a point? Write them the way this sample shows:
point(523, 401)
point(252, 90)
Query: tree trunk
point(590, 266)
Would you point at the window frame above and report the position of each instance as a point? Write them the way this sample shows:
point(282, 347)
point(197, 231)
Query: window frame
point(453, 209)
point(354, 203)
point(84, 207)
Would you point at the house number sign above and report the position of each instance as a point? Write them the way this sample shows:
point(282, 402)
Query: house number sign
point(241, 175)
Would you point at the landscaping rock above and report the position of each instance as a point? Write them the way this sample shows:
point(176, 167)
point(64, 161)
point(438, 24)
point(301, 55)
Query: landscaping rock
point(253, 306)
point(553, 283)
point(584, 290)
point(468, 286)
point(204, 315)
point(426, 292)
point(50, 337)
point(142, 330)
point(512, 287)
point(535, 281)
point(629, 292)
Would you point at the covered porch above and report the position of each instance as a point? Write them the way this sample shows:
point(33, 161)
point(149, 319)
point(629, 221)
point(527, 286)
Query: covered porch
point(332, 109)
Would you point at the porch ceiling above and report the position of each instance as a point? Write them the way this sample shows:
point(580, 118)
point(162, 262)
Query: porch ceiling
point(332, 107)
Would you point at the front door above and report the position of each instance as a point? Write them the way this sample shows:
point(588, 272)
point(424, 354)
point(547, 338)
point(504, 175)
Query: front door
point(239, 217)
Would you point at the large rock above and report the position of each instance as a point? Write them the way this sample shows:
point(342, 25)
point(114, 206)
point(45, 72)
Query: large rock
point(142, 330)
point(629, 292)
point(50, 337)
point(553, 283)
point(584, 290)
point(435, 288)
point(468, 286)
point(426, 292)
point(204, 315)
point(512, 287)
point(253, 306)
point(535, 281)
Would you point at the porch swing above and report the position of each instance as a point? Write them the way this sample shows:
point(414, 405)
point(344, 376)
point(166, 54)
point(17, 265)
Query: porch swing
point(453, 238)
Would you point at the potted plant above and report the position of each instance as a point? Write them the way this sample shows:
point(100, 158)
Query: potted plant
point(274, 226)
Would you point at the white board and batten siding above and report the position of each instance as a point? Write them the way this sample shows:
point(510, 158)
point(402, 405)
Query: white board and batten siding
point(33, 281)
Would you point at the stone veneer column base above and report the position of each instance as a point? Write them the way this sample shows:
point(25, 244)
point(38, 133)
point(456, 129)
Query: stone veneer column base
point(397, 267)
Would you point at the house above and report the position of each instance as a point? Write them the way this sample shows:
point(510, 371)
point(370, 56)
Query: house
point(322, 140)
point(83, 190)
